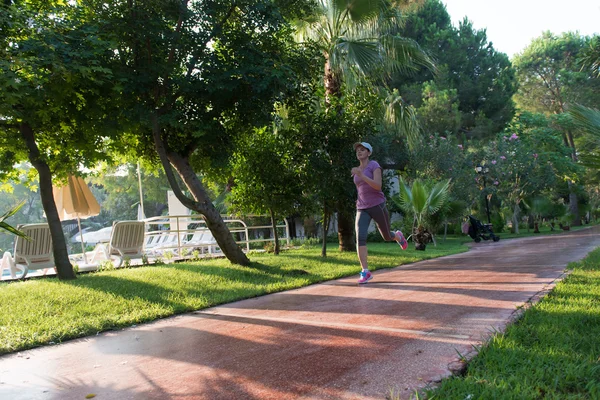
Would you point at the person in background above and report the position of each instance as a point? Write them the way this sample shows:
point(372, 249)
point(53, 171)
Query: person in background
point(370, 205)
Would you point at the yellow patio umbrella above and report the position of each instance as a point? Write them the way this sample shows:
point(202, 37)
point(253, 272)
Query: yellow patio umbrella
point(75, 201)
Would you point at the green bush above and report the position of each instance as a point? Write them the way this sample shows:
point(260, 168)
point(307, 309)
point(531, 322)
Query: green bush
point(498, 223)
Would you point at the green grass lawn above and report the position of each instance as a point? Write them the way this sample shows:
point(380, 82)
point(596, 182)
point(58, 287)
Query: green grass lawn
point(552, 352)
point(45, 310)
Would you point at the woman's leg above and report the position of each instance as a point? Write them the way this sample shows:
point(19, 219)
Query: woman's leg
point(382, 220)
point(363, 219)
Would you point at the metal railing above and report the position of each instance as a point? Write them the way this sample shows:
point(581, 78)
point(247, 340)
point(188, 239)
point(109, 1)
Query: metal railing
point(178, 232)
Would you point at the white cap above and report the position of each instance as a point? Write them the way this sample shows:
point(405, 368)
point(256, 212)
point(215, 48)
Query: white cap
point(365, 145)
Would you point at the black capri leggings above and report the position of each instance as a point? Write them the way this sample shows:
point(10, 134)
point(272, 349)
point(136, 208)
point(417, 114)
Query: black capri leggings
point(382, 219)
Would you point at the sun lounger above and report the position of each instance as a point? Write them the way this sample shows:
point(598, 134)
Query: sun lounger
point(126, 241)
point(203, 240)
point(31, 254)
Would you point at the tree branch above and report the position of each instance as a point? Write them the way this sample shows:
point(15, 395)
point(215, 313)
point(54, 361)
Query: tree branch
point(164, 159)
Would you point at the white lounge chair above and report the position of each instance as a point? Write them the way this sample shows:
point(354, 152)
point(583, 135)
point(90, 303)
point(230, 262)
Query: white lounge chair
point(203, 239)
point(157, 244)
point(126, 241)
point(31, 254)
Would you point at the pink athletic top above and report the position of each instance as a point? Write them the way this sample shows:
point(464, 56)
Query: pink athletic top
point(367, 196)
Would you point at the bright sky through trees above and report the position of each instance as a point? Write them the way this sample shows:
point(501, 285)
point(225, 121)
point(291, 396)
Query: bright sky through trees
point(512, 24)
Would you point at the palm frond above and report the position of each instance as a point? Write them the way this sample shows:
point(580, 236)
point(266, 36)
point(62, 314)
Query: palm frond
point(404, 198)
point(586, 118)
point(402, 118)
point(365, 55)
point(405, 55)
point(422, 201)
point(590, 57)
point(419, 196)
point(438, 196)
point(590, 160)
point(358, 10)
point(9, 228)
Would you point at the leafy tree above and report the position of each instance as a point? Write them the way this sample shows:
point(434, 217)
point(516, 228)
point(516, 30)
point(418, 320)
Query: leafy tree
point(527, 160)
point(550, 76)
point(551, 79)
point(51, 83)
point(193, 74)
point(439, 111)
point(440, 158)
point(266, 177)
point(307, 122)
point(483, 78)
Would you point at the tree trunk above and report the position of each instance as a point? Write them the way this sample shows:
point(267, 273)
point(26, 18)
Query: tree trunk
point(345, 232)
point(325, 229)
point(574, 208)
point(331, 82)
point(573, 201)
point(275, 236)
point(204, 206)
point(202, 203)
point(445, 230)
point(569, 142)
point(515, 218)
point(64, 269)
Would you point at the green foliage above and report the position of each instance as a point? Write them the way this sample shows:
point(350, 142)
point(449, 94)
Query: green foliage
point(588, 121)
point(590, 56)
point(210, 70)
point(439, 112)
point(527, 159)
point(322, 145)
point(546, 208)
point(267, 174)
point(551, 77)
point(362, 46)
point(440, 158)
point(421, 201)
point(361, 40)
point(483, 78)
point(52, 78)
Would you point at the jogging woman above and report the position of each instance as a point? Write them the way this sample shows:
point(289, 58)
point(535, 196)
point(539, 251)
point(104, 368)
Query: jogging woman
point(370, 205)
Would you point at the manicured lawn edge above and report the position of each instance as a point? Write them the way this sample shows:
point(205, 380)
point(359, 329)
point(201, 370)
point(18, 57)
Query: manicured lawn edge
point(551, 350)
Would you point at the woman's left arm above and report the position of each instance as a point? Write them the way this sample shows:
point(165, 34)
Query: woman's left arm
point(375, 183)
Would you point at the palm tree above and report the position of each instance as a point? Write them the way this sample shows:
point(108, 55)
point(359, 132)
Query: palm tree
point(422, 202)
point(357, 39)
